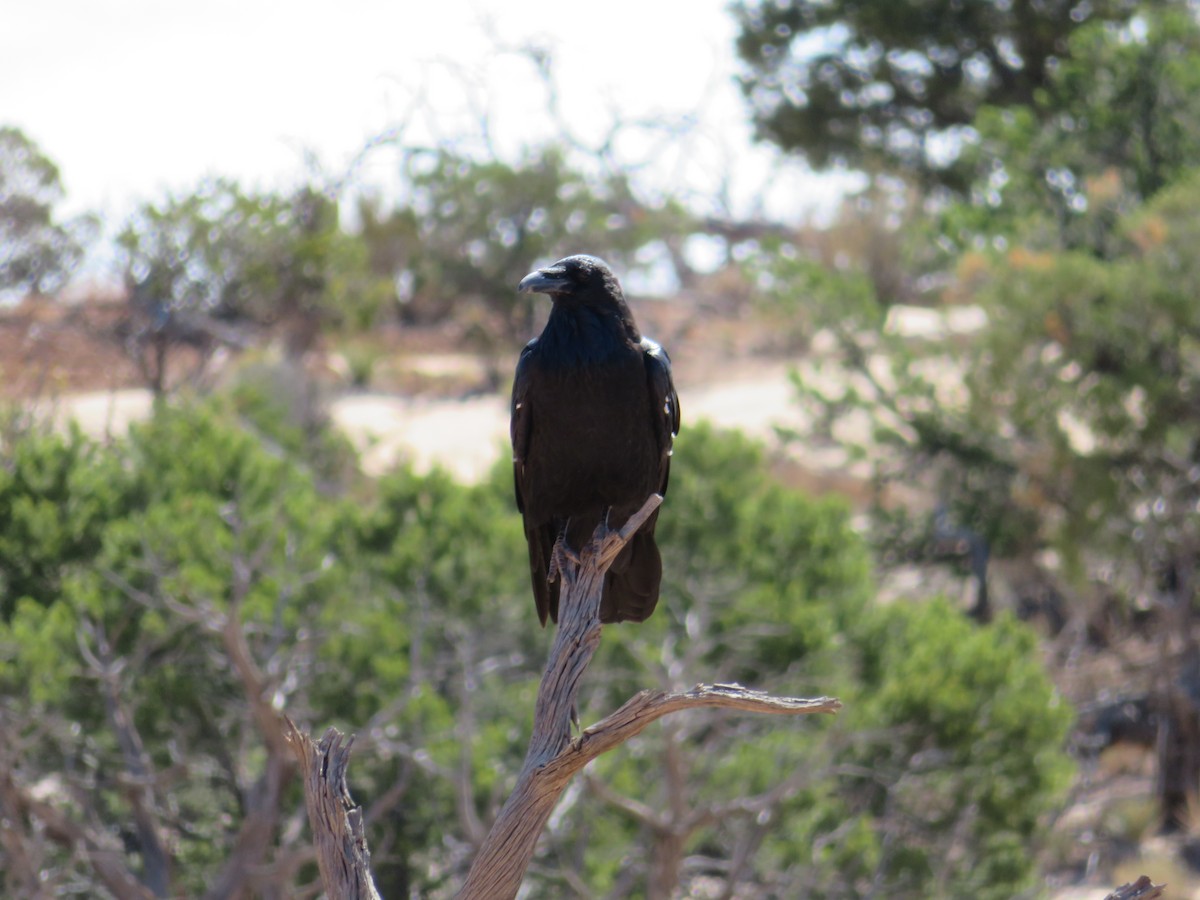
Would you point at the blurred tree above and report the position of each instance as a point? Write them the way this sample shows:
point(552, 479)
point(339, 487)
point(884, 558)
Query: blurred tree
point(140, 688)
point(443, 650)
point(287, 407)
point(1102, 359)
point(1117, 120)
point(37, 253)
point(896, 86)
point(208, 268)
point(205, 268)
point(478, 226)
point(1062, 436)
point(56, 496)
point(161, 599)
point(960, 741)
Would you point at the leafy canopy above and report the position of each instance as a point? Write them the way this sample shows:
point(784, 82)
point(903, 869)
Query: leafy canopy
point(896, 86)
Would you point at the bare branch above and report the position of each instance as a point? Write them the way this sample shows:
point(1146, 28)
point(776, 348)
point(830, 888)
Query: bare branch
point(100, 849)
point(553, 758)
point(337, 824)
point(21, 851)
point(642, 813)
point(156, 860)
point(263, 800)
point(649, 706)
point(463, 781)
point(1142, 889)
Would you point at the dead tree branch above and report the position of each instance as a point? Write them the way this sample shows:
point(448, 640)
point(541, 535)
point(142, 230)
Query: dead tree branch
point(156, 860)
point(1142, 889)
point(337, 824)
point(553, 757)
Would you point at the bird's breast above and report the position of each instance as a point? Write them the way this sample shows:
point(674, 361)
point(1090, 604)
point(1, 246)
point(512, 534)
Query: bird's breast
point(592, 444)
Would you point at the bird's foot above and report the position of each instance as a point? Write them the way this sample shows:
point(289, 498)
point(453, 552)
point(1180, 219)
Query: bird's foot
point(553, 572)
point(560, 554)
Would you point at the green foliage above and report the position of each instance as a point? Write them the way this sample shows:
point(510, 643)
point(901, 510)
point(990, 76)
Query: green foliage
point(897, 86)
point(37, 252)
point(769, 588)
point(778, 595)
point(406, 617)
point(977, 697)
point(1054, 426)
point(187, 522)
point(229, 254)
point(797, 292)
point(444, 553)
point(952, 738)
point(1061, 435)
point(474, 228)
point(1117, 120)
point(1096, 361)
point(438, 640)
point(56, 496)
point(795, 562)
point(454, 248)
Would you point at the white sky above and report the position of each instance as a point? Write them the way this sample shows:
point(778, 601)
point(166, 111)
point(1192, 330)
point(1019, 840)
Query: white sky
point(134, 97)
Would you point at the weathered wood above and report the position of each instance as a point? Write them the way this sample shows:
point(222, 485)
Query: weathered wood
point(553, 757)
point(337, 824)
point(1142, 889)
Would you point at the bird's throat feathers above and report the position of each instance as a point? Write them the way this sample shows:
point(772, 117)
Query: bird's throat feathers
point(582, 334)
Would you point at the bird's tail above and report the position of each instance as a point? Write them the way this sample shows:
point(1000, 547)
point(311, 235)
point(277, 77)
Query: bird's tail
point(631, 585)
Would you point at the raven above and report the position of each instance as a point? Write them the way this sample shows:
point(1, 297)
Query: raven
point(594, 417)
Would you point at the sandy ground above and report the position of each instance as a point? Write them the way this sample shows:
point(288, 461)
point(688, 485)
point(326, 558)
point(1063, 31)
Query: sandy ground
point(467, 436)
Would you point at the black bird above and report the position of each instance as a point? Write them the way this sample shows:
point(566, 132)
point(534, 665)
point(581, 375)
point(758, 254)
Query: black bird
point(594, 416)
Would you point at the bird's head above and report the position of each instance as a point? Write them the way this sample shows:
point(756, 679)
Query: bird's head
point(580, 278)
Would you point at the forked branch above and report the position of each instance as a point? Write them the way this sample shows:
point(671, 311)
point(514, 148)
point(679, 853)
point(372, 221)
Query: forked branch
point(553, 757)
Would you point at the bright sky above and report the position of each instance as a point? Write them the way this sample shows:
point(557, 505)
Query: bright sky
point(134, 97)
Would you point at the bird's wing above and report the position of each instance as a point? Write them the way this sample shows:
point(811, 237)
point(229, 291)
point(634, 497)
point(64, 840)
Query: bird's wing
point(664, 404)
point(521, 423)
point(539, 537)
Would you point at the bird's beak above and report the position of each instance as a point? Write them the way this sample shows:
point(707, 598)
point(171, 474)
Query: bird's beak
point(551, 280)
